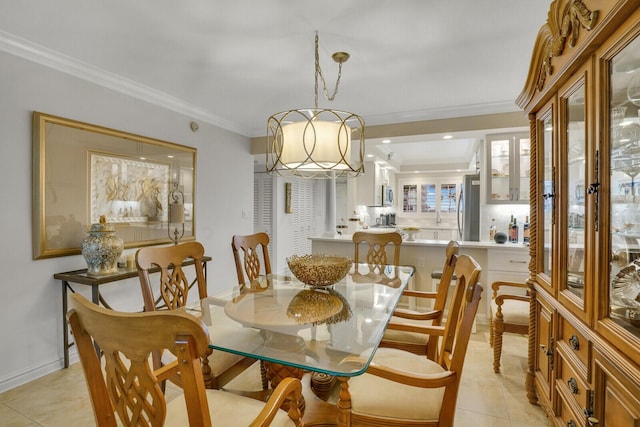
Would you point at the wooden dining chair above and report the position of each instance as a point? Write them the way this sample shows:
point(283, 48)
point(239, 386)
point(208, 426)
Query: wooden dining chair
point(219, 367)
point(509, 313)
point(401, 388)
point(401, 333)
point(127, 392)
point(378, 245)
point(247, 253)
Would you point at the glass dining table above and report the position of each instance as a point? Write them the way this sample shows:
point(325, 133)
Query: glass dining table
point(299, 328)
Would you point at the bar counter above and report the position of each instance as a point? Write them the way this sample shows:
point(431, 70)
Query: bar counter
point(429, 255)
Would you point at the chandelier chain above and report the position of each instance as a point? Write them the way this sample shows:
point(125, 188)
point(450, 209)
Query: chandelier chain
point(324, 83)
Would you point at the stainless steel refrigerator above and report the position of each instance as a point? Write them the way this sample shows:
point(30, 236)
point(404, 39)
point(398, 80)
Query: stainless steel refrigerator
point(469, 209)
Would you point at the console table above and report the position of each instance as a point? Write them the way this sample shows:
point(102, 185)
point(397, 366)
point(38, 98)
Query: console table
point(81, 277)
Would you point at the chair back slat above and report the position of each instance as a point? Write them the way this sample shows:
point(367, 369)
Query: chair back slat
point(174, 284)
point(247, 251)
point(377, 244)
point(128, 388)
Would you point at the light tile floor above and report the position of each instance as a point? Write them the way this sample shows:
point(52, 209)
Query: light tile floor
point(485, 399)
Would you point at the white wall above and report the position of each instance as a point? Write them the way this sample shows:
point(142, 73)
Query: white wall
point(31, 313)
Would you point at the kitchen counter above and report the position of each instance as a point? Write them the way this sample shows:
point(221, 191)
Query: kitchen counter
point(427, 255)
point(425, 242)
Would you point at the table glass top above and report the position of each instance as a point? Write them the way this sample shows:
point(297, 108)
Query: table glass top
point(281, 320)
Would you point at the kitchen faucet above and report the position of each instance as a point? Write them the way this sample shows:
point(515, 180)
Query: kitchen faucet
point(438, 218)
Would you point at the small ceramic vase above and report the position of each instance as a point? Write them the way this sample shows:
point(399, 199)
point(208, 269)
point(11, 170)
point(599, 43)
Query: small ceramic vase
point(102, 248)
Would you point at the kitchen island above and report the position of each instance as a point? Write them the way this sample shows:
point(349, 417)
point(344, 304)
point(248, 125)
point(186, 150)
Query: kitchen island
point(507, 261)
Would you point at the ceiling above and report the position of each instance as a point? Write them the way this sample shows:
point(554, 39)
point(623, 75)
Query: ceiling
point(234, 63)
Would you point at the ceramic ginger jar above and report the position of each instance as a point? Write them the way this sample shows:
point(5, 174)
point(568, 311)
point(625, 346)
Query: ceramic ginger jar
point(102, 248)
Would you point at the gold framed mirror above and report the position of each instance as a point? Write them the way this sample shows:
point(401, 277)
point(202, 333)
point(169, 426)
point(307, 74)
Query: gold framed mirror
point(83, 171)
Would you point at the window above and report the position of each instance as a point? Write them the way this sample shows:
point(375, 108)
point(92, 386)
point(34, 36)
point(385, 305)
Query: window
point(410, 198)
point(430, 196)
point(448, 198)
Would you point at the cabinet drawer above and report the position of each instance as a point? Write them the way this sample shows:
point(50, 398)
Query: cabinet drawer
point(508, 260)
point(571, 381)
point(567, 416)
point(575, 342)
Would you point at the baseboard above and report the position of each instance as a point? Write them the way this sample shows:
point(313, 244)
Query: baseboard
point(34, 373)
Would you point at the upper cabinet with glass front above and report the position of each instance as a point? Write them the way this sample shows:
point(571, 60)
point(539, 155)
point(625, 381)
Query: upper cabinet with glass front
point(508, 168)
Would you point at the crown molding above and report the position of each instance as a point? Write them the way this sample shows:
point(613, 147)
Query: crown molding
point(50, 58)
point(39, 54)
point(444, 113)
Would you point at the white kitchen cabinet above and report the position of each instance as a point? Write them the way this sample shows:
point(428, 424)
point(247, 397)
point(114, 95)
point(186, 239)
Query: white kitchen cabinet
point(508, 168)
point(506, 265)
point(369, 184)
point(438, 234)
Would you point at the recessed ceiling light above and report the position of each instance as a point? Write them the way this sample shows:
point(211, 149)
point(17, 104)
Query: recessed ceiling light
point(369, 155)
point(447, 137)
point(143, 158)
point(170, 156)
point(386, 141)
point(416, 171)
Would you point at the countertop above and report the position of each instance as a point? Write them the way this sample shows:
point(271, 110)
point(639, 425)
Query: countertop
point(433, 243)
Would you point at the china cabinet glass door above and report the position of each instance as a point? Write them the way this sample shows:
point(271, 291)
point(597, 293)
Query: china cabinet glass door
point(624, 188)
point(573, 171)
point(546, 220)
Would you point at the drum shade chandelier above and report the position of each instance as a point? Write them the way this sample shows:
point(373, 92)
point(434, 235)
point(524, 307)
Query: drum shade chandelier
point(316, 142)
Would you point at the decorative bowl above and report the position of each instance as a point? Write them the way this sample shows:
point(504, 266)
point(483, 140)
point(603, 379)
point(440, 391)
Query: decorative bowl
point(319, 270)
point(315, 307)
point(411, 233)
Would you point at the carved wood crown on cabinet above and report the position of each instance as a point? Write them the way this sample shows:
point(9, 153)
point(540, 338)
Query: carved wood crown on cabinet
point(580, 95)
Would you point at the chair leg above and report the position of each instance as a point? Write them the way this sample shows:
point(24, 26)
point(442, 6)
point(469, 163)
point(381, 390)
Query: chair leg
point(209, 380)
point(344, 404)
point(263, 376)
point(491, 331)
point(497, 347)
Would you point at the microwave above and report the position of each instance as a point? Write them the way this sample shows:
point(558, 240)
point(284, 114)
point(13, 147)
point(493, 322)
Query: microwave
point(387, 195)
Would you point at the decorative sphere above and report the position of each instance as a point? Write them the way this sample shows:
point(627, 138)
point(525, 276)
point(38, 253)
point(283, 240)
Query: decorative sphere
point(500, 237)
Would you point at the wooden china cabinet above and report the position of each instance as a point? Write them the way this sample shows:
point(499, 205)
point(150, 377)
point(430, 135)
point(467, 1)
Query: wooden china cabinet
point(582, 95)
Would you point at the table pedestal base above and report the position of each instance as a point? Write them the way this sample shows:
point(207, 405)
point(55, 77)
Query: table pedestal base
point(276, 373)
point(321, 384)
